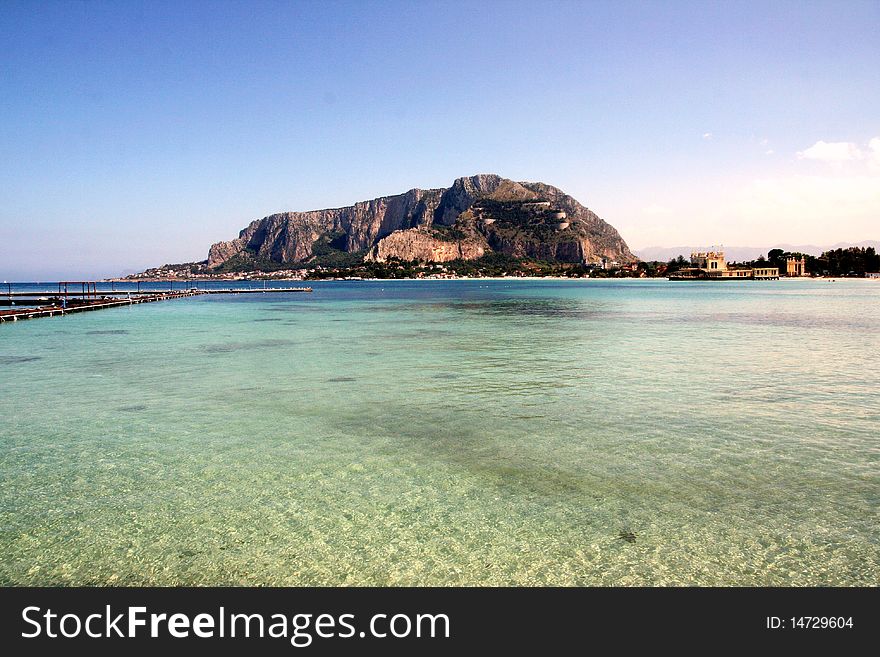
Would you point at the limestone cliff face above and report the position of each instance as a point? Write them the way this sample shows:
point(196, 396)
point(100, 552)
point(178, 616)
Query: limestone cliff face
point(421, 245)
point(466, 191)
point(385, 227)
point(289, 236)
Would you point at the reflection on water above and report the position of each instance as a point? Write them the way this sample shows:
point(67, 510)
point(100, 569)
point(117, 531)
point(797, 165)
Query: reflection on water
point(541, 432)
point(14, 360)
point(553, 309)
point(227, 347)
point(133, 408)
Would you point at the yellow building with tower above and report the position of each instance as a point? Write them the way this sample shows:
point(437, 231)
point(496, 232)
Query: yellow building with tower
point(712, 266)
point(711, 261)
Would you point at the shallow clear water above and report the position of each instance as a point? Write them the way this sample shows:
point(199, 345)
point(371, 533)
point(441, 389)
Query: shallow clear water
point(461, 432)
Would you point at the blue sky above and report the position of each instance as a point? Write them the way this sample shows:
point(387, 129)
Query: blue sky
point(135, 134)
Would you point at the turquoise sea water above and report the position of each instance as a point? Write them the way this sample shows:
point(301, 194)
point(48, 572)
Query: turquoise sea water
point(460, 432)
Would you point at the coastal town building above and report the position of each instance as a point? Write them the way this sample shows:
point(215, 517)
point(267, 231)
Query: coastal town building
point(712, 265)
point(608, 263)
point(711, 261)
point(796, 266)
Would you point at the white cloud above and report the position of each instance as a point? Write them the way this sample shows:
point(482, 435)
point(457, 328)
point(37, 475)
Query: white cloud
point(873, 156)
point(832, 152)
point(708, 136)
point(769, 152)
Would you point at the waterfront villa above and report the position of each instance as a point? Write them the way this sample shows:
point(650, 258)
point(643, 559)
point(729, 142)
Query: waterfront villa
point(711, 266)
point(796, 266)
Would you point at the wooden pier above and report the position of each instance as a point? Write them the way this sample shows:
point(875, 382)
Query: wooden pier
point(73, 302)
point(125, 293)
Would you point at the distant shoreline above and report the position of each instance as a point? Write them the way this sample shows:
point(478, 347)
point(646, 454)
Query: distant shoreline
point(196, 281)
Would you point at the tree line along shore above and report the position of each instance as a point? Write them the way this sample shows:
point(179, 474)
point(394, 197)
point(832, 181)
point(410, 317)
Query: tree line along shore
point(852, 262)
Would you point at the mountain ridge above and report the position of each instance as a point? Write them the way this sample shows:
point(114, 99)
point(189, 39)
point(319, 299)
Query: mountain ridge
point(480, 214)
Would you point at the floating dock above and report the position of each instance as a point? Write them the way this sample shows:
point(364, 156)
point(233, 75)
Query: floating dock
point(64, 303)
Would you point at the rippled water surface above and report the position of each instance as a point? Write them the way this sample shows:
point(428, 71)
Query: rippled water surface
point(461, 432)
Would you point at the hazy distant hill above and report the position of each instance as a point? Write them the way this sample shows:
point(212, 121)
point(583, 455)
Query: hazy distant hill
point(740, 253)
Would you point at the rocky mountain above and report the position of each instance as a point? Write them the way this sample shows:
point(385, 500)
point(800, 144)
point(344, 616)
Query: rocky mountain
point(476, 215)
